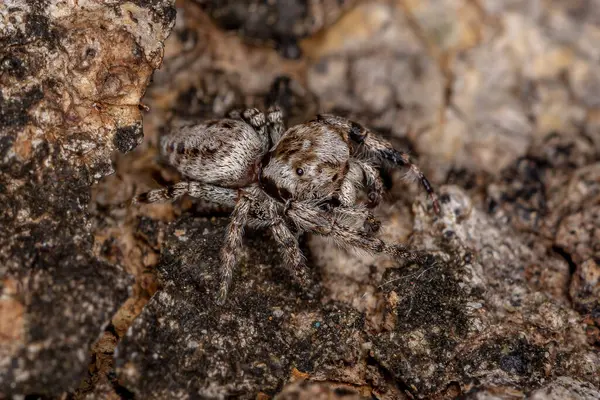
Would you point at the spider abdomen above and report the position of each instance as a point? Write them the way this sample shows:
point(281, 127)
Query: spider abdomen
point(221, 152)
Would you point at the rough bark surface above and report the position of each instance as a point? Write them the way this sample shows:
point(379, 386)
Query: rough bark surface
point(70, 83)
point(497, 101)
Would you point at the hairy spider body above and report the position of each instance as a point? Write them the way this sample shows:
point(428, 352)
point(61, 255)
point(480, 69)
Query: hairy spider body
point(305, 179)
point(221, 152)
point(310, 161)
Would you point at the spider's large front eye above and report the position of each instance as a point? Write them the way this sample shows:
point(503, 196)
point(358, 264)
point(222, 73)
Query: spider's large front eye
point(300, 171)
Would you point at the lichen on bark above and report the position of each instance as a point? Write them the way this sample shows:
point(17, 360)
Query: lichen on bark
point(71, 77)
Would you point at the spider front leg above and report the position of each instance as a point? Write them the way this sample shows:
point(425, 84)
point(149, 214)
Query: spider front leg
point(290, 250)
point(360, 216)
point(310, 220)
point(358, 172)
point(381, 149)
point(367, 242)
point(352, 215)
point(374, 183)
point(347, 197)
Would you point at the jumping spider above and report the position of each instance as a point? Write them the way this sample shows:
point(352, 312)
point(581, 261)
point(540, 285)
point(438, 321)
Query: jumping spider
point(305, 179)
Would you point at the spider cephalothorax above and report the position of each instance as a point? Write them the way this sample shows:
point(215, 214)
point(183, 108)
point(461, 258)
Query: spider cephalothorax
point(305, 179)
point(310, 161)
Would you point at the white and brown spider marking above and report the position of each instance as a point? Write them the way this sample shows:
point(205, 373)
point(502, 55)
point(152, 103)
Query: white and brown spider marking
point(305, 179)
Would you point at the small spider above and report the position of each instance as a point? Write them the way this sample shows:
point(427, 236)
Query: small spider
point(305, 179)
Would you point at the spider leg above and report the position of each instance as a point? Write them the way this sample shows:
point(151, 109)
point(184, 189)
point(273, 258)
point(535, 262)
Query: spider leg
point(358, 172)
point(311, 220)
point(253, 117)
point(275, 123)
point(290, 250)
point(214, 194)
point(309, 217)
point(278, 100)
point(233, 241)
point(380, 148)
point(367, 242)
point(285, 238)
point(348, 188)
point(374, 183)
point(348, 209)
point(354, 215)
point(270, 126)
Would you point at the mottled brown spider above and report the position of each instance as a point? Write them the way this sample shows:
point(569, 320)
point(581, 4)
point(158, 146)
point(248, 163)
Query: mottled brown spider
point(305, 179)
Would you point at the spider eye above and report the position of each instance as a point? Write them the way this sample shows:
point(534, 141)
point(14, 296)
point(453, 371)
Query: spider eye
point(300, 171)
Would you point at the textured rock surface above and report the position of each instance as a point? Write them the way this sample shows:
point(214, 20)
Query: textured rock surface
point(70, 82)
